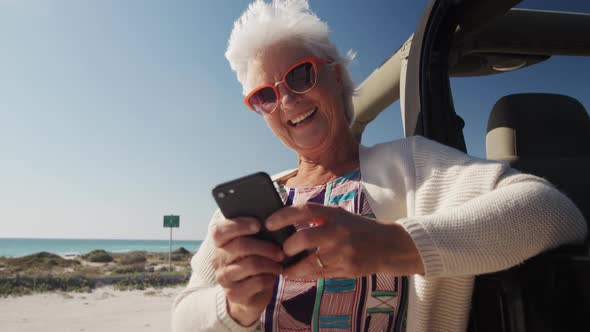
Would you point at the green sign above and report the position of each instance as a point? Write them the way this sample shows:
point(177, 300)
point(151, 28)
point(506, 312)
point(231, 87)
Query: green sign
point(171, 221)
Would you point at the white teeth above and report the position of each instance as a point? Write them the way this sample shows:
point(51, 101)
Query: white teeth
point(302, 117)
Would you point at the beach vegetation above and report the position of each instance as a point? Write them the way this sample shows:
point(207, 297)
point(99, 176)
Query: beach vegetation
point(162, 269)
point(47, 272)
point(24, 285)
point(129, 268)
point(181, 254)
point(178, 258)
point(133, 258)
point(39, 263)
point(181, 251)
point(98, 256)
point(155, 281)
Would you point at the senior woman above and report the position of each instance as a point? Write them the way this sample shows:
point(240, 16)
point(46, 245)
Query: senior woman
point(398, 230)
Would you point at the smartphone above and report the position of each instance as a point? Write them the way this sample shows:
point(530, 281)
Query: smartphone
point(255, 196)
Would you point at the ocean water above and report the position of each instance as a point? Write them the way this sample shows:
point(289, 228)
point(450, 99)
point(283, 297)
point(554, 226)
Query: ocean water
point(16, 247)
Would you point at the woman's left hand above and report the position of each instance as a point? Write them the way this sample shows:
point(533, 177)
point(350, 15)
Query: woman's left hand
point(348, 245)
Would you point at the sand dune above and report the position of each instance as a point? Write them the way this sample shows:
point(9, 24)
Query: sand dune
point(105, 309)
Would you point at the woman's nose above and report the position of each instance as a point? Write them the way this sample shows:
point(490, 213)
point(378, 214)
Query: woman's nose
point(289, 99)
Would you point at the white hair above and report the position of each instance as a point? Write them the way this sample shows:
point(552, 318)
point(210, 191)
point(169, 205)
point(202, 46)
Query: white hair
point(264, 24)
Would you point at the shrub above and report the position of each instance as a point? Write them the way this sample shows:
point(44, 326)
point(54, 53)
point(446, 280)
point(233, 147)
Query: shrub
point(177, 257)
point(132, 268)
point(98, 256)
point(23, 286)
point(181, 251)
point(35, 263)
point(133, 258)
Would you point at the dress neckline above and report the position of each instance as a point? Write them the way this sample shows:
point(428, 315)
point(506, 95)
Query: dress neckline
point(350, 176)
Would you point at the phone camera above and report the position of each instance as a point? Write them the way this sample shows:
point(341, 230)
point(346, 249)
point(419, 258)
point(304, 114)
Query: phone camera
point(220, 195)
point(231, 191)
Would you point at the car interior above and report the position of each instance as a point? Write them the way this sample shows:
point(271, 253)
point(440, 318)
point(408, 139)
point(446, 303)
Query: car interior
point(544, 134)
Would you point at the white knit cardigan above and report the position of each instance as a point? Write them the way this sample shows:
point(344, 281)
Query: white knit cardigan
point(467, 216)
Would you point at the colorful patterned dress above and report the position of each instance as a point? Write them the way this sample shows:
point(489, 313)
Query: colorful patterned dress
point(374, 303)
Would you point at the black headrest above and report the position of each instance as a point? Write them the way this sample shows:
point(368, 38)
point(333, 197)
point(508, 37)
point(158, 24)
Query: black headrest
point(543, 124)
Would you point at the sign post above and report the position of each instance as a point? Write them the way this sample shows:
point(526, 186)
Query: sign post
point(171, 221)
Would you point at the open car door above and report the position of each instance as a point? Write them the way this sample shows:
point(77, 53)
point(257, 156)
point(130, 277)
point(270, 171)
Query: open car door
point(550, 292)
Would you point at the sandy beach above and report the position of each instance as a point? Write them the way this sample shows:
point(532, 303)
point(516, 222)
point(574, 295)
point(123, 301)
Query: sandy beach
point(105, 309)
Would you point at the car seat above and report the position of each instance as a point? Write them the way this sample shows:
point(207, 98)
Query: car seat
point(547, 135)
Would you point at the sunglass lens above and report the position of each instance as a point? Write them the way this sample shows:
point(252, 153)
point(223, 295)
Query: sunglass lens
point(301, 78)
point(264, 100)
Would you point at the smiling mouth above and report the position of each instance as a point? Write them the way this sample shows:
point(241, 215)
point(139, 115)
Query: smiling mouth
point(302, 118)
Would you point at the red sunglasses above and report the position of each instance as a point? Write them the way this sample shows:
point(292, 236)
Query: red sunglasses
point(299, 78)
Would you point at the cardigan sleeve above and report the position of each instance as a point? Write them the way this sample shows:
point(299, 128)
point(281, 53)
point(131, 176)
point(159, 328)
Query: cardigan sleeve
point(473, 216)
point(201, 306)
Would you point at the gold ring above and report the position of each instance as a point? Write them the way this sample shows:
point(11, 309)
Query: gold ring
point(319, 261)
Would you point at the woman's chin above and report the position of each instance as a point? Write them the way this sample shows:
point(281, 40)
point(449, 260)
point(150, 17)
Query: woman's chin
point(311, 135)
point(309, 144)
point(306, 147)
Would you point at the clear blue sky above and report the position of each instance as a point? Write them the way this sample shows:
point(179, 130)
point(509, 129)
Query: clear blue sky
point(114, 113)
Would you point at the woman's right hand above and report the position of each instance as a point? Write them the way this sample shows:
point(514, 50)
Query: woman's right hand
point(246, 268)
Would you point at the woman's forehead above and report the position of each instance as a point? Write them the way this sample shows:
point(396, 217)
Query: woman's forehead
point(270, 64)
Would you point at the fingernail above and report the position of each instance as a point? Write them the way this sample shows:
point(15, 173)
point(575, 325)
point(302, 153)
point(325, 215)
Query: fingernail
point(254, 227)
point(269, 223)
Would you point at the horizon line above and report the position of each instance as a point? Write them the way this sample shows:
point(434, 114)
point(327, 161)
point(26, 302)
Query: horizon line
point(80, 238)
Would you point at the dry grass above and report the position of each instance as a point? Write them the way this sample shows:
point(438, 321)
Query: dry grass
point(42, 272)
point(92, 265)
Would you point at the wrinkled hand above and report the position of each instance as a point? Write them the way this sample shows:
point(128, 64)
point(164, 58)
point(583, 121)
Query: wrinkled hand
point(245, 267)
point(348, 245)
